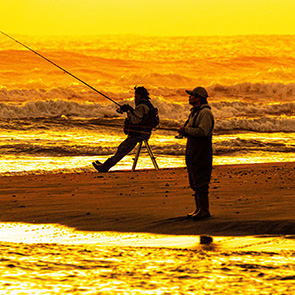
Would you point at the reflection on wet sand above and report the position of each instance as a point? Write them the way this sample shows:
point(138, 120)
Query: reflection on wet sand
point(50, 259)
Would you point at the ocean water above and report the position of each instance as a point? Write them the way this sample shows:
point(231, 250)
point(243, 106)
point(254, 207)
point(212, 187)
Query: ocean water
point(50, 259)
point(49, 121)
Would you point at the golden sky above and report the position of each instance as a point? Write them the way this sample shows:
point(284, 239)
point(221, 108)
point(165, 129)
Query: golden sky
point(147, 17)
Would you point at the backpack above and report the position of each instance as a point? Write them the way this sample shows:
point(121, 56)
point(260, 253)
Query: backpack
point(151, 122)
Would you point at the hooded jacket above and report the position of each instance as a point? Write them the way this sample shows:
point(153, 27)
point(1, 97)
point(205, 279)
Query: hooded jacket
point(137, 121)
point(199, 129)
point(200, 122)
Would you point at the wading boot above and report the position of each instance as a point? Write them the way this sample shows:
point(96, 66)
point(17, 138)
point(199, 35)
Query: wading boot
point(190, 215)
point(203, 212)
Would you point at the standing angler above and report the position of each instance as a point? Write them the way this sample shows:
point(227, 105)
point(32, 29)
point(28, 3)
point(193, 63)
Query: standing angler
point(138, 126)
point(198, 129)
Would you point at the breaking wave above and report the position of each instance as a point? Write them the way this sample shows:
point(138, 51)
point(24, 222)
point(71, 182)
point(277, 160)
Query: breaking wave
point(234, 115)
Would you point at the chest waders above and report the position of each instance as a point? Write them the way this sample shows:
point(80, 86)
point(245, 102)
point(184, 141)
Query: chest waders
point(199, 156)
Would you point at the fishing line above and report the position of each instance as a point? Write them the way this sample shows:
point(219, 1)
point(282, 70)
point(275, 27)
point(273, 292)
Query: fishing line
point(60, 68)
point(75, 77)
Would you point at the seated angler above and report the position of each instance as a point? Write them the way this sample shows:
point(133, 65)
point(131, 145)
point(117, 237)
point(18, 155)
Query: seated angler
point(138, 126)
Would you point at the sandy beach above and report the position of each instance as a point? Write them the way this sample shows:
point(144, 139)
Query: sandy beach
point(245, 200)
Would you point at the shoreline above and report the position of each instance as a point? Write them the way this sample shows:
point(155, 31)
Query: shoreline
point(245, 199)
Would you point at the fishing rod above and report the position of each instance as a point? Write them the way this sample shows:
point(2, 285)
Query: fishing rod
point(60, 68)
point(75, 77)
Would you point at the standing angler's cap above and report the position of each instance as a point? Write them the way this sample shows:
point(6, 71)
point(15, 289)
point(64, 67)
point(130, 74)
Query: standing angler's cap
point(200, 91)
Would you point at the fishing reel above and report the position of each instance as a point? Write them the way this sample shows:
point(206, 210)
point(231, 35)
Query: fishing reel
point(124, 108)
point(119, 111)
point(179, 136)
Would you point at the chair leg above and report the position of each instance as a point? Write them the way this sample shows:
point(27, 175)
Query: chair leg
point(151, 155)
point(136, 156)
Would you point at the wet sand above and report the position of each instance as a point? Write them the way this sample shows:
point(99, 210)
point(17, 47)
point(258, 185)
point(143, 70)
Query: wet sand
point(245, 200)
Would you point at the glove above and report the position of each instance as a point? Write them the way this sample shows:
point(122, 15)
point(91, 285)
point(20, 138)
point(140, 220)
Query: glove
point(126, 107)
point(181, 132)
